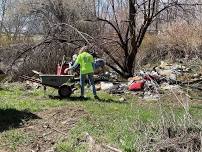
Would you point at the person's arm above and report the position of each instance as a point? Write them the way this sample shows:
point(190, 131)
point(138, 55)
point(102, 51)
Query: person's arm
point(74, 66)
point(71, 67)
point(76, 63)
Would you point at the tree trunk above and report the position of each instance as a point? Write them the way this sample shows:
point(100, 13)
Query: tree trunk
point(3, 3)
point(157, 18)
point(133, 47)
point(130, 62)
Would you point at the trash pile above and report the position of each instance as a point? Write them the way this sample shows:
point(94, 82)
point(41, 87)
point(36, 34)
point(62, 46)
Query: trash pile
point(151, 83)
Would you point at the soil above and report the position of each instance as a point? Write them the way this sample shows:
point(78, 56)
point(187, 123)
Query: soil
point(53, 126)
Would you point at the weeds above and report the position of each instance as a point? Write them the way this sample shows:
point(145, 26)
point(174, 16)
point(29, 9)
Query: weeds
point(132, 126)
point(179, 40)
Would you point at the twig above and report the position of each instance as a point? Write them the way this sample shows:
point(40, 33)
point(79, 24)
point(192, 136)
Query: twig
point(48, 126)
point(90, 141)
point(201, 140)
point(58, 131)
point(193, 82)
point(79, 32)
point(4, 145)
point(112, 148)
point(45, 134)
point(27, 50)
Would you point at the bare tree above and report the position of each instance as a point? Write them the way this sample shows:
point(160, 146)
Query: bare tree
point(3, 11)
point(141, 15)
point(60, 24)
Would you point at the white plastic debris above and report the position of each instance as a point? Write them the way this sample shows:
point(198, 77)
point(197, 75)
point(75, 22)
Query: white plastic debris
point(106, 85)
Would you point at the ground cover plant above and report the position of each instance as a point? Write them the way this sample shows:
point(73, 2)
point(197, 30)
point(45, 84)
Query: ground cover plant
point(32, 120)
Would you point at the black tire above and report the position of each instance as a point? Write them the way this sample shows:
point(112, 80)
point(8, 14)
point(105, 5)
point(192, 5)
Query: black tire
point(65, 91)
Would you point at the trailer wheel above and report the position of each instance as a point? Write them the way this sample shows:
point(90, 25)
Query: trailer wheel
point(65, 91)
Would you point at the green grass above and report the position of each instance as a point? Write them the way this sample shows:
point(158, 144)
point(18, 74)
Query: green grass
point(13, 138)
point(15, 96)
point(108, 121)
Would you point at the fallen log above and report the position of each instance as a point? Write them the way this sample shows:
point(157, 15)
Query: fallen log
point(192, 82)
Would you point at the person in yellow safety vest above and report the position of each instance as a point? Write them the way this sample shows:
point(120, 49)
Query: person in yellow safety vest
point(86, 62)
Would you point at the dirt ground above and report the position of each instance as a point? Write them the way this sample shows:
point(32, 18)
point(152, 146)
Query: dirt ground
point(52, 126)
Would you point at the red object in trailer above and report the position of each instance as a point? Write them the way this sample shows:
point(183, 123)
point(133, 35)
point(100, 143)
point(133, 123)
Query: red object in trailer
point(61, 69)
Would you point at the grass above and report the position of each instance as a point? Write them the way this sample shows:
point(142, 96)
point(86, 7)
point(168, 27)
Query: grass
point(108, 121)
point(13, 138)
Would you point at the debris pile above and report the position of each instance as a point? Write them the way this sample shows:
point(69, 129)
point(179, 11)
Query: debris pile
point(151, 83)
point(113, 88)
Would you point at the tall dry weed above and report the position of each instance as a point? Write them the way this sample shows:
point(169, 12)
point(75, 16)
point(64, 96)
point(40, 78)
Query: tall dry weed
point(178, 40)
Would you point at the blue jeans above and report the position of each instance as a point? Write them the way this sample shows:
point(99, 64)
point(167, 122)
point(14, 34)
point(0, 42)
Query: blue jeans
point(91, 80)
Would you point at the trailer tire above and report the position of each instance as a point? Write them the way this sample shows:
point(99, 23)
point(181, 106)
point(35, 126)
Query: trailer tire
point(65, 91)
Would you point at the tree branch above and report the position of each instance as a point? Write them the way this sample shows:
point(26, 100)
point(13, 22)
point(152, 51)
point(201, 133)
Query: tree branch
point(114, 60)
point(115, 69)
point(112, 25)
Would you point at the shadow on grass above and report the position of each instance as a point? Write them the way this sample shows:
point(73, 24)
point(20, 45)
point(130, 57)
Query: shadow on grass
point(12, 118)
point(73, 98)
